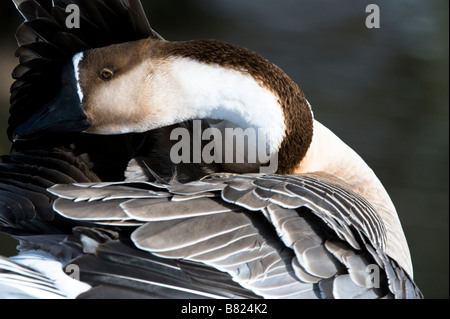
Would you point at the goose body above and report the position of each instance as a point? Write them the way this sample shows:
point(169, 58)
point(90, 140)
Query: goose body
point(319, 225)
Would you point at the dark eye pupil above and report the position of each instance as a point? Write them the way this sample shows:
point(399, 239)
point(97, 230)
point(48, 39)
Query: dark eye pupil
point(106, 74)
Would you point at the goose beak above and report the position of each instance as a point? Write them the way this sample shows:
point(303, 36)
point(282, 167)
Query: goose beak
point(63, 114)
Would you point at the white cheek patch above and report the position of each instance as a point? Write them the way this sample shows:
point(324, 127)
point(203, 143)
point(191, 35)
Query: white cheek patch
point(211, 91)
point(76, 60)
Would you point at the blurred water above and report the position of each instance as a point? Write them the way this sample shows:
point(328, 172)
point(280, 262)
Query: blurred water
point(383, 91)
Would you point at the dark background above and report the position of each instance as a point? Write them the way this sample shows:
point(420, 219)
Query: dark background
point(383, 91)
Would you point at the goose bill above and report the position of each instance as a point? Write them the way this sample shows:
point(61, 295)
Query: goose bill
point(63, 114)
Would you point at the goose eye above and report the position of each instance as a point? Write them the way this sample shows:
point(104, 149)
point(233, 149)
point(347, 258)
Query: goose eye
point(106, 74)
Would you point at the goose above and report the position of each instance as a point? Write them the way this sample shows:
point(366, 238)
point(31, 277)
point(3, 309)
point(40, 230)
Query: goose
point(101, 210)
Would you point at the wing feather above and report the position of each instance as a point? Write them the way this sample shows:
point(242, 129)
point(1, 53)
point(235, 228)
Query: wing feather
point(277, 236)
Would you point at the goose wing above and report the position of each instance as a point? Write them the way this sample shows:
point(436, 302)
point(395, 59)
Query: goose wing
point(276, 236)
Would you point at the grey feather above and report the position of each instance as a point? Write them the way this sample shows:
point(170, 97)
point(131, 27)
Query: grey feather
point(91, 210)
point(271, 234)
point(180, 198)
point(345, 288)
point(193, 188)
point(84, 192)
point(171, 235)
point(246, 198)
point(304, 276)
point(163, 209)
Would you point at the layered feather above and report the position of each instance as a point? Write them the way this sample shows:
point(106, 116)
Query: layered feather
point(271, 236)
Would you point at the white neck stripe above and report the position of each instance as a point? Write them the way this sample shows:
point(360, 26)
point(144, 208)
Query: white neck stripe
point(211, 91)
point(76, 60)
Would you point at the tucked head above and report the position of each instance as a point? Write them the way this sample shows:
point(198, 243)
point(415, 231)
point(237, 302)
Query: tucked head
point(120, 87)
point(147, 84)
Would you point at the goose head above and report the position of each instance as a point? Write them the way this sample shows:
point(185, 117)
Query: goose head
point(148, 84)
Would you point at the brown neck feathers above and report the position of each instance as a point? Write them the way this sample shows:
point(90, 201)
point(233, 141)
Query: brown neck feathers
point(297, 114)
